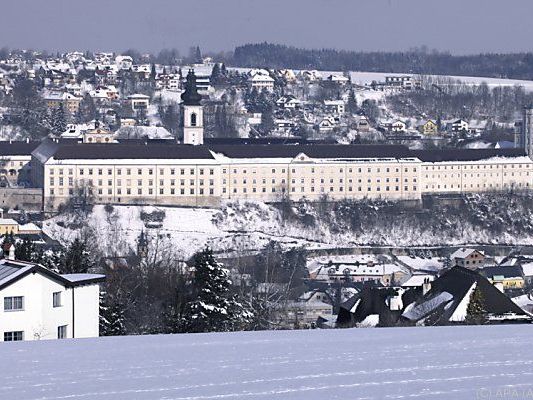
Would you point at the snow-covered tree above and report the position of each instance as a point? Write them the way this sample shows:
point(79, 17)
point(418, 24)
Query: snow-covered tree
point(58, 120)
point(215, 308)
point(76, 259)
point(475, 311)
point(112, 316)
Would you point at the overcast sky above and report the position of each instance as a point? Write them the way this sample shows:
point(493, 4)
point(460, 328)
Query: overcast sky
point(459, 26)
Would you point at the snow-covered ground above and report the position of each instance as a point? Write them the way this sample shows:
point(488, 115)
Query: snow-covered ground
point(365, 78)
point(395, 363)
point(248, 226)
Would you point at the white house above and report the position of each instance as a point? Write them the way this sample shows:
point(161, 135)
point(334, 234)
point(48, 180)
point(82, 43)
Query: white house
point(458, 126)
point(139, 101)
point(261, 79)
point(38, 303)
point(339, 79)
point(398, 126)
point(336, 107)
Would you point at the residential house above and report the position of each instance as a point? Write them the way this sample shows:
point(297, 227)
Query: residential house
point(139, 102)
point(448, 299)
point(168, 82)
point(456, 126)
point(506, 278)
point(327, 124)
point(405, 82)
point(335, 107)
point(70, 102)
point(8, 226)
point(287, 74)
point(310, 76)
point(428, 128)
point(361, 123)
point(305, 311)
point(398, 126)
point(468, 258)
point(261, 81)
point(41, 304)
point(338, 79)
point(124, 62)
point(288, 102)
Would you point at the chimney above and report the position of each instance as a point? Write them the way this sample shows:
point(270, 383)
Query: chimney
point(11, 254)
point(426, 286)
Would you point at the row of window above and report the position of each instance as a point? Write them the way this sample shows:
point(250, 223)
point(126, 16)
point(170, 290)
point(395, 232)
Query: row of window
point(16, 303)
point(323, 190)
point(100, 182)
point(313, 170)
point(438, 167)
point(15, 336)
point(478, 185)
point(139, 191)
point(140, 171)
point(322, 181)
point(482, 174)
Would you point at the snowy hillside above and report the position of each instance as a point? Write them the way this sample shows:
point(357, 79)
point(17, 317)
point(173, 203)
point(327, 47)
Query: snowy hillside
point(395, 363)
point(249, 226)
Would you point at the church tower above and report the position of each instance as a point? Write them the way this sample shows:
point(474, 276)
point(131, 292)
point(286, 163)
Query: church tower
point(192, 112)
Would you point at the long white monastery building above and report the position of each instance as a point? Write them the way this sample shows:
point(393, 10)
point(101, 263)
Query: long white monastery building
point(207, 172)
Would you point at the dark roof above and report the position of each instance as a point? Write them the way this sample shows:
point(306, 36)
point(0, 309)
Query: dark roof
point(313, 151)
point(190, 96)
point(19, 148)
point(13, 270)
point(506, 272)
point(265, 140)
point(457, 281)
point(465, 154)
point(251, 148)
point(96, 151)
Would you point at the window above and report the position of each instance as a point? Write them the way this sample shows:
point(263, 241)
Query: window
point(15, 303)
point(62, 332)
point(13, 336)
point(56, 299)
point(193, 119)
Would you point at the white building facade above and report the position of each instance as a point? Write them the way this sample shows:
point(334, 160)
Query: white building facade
point(38, 304)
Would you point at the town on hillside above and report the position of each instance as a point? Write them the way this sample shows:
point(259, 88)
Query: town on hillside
point(130, 183)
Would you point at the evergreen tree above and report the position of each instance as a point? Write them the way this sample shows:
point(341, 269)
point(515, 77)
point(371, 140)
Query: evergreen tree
point(76, 258)
point(198, 55)
point(475, 311)
point(352, 103)
point(216, 75)
point(87, 111)
point(112, 316)
point(58, 120)
point(153, 73)
point(215, 308)
point(267, 124)
point(26, 251)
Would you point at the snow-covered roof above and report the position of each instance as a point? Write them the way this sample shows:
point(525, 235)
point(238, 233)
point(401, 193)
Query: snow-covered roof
point(420, 263)
point(527, 268)
point(417, 280)
point(78, 278)
point(463, 252)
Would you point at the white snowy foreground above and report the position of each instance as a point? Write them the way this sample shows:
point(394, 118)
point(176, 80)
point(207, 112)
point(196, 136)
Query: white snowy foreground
point(396, 363)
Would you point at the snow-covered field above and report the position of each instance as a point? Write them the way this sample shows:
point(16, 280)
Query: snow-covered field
point(396, 363)
point(365, 78)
